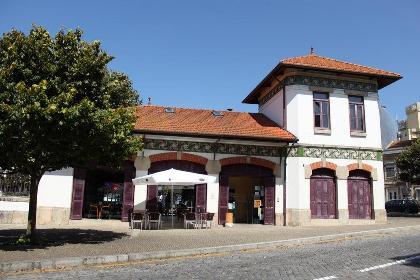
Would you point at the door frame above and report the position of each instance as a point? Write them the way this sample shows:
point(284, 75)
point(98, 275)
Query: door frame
point(362, 175)
point(326, 173)
point(243, 169)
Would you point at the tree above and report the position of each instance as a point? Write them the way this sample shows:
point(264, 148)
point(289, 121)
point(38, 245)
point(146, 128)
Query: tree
point(408, 163)
point(61, 106)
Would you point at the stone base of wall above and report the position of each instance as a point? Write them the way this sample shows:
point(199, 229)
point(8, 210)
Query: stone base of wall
point(45, 216)
point(298, 217)
point(279, 219)
point(215, 220)
point(302, 217)
point(380, 216)
point(13, 217)
point(53, 216)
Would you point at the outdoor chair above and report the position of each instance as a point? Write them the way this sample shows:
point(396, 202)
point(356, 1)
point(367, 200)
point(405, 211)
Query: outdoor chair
point(105, 209)
point(207, 220)
point(138, 218)
point(190, 219)
point(154, 218)
point(95, 209)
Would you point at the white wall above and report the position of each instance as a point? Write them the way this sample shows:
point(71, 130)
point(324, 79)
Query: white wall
point(140, 192)
point(279, 195)
point(14, 206)
point(55, 188)
point(213, 195)
point(300, 119)
point(273, 109)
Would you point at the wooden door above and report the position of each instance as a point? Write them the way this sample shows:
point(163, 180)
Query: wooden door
point(223, 199)
point(359, 198)
point(128, 195)
point(201, 198)
point(323, 197)
point(79, 178)
point(269, 200)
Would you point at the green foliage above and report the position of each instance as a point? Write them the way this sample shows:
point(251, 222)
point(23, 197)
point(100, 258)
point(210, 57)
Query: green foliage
point(408, 162)
point(60, 105)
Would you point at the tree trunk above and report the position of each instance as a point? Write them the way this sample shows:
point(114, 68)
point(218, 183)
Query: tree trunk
point(33, 197)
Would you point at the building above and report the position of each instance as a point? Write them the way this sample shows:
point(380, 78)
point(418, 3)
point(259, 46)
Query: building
point(311, 155)
point(408, 132)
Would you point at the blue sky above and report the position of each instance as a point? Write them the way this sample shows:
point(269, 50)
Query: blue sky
point(211, 54)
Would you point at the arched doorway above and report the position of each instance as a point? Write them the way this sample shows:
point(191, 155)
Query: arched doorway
point(242, 187)
point(176, 200)
point(359, 191)
point(323, 194)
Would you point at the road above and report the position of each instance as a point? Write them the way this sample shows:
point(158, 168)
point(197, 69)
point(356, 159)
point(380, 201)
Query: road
point(391, 256)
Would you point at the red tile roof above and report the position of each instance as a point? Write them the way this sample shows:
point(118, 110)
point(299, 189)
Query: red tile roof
point(319, 62)
point(398, 144)
point(198, 122)
point(316, 62)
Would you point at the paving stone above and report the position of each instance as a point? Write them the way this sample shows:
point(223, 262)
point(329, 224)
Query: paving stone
point(91, 238)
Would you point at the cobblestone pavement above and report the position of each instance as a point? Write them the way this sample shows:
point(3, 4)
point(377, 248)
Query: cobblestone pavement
point(395, 256)
point(93, 238)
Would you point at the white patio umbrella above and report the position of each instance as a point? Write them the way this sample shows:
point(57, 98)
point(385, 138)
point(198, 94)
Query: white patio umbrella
point(173, 177)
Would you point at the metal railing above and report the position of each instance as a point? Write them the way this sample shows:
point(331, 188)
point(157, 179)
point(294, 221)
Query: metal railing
point(14, 184)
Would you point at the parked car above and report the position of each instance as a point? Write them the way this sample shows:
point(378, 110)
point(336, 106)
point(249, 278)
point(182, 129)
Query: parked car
point(403, 205)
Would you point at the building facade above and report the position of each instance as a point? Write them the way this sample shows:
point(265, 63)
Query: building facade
point(409, 132)
point(311, 155)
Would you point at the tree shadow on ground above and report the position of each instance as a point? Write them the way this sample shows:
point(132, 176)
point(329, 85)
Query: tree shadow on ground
point(56, 237)
point(411, 260)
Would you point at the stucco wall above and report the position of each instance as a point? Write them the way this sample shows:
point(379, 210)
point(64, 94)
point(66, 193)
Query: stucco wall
point(54, 201)
point(274, 108)
point(300, 119)
point(55, 188)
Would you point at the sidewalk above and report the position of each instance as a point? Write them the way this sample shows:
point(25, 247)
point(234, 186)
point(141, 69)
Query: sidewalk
point(97, 238)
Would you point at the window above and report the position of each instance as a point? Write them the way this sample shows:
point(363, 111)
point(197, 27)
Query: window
point(390, 171)
point(357, 113)
point(321, 110)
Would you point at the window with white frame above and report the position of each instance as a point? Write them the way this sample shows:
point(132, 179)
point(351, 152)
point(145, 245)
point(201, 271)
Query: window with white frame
point(321, 110)
point(357, 113)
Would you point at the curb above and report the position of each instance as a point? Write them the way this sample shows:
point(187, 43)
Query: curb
point(126, 258)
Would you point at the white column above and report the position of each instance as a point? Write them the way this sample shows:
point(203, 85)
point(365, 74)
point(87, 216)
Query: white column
point(142, 165)
point(213, 168)
point(213, 195)
point(140, 193)
point(279, 195)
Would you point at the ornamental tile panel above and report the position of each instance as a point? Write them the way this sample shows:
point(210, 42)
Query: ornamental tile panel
point(269, 151)
point(317, 81)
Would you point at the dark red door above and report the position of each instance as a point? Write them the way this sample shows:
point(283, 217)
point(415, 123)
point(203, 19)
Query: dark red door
point(223, 199)
point(269, 200)
point(200, 198)
point(152, 202)
point(323, 197)
point(359, 198)
point(128, 195)
point(79, 178)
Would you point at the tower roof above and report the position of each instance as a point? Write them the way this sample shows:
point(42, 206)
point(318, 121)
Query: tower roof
point(315, 62)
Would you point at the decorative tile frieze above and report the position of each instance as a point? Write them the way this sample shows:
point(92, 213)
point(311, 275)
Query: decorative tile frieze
point(319, 82)
point(257, 150)
point(335, 153)
point(205, 147)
